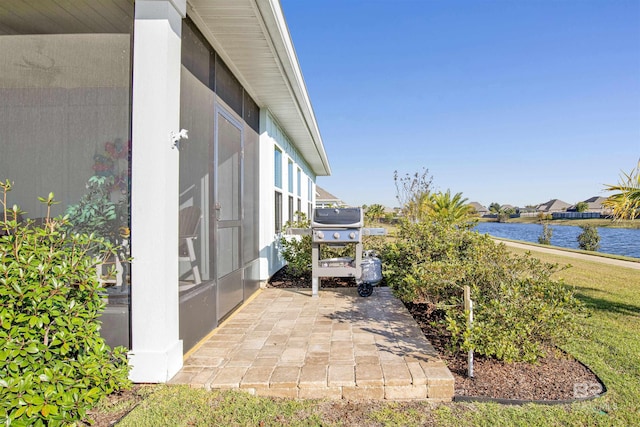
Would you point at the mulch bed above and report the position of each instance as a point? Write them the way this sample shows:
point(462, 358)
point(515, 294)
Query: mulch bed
point(556, 377)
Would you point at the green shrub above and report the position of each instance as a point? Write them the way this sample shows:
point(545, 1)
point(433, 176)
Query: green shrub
point(422, 263)
point(54, 365)
point(296, 249)
point(504, 216)
point(589, 239)
point(518, 307)
point(545, 236)
point(582, 207)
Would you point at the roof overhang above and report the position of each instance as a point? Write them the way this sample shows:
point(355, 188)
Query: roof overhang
point(252, 38)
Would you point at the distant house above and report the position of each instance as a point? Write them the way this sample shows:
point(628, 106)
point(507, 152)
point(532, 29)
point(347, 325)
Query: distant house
point(553, 205)
point(527, 210)
point(324, 199)
point(596, 204)
point(480, 209)
point(393, 211)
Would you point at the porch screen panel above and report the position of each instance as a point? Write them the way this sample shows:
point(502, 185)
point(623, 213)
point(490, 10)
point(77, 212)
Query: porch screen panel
point(196, 180)
point(197, 57)
point(229, 179)
point(251, 219)
point(196, 263)
point(251, 113)
point(65, 84)
point(228, 87)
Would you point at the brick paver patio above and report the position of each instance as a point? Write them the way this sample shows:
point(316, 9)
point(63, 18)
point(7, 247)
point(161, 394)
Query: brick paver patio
point(285, 343)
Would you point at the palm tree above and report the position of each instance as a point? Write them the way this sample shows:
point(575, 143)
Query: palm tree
point(582, 207)
point(445, 208)
point(375, 212)
point(495, 207)
point(626, 203)
point(414, 208)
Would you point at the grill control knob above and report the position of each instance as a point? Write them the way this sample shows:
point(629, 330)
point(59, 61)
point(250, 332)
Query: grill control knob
point(336, 235)
point(320, 235)
point(352, 235)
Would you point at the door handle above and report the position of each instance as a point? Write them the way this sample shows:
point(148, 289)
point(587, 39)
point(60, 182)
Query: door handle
point(217, 208)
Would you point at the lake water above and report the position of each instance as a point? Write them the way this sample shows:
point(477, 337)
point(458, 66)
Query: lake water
point(618, 241)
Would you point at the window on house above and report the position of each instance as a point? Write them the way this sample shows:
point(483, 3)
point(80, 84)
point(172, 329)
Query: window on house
point(278, 211)
point(277, 167)
point(290, 176)
point(290, 208)
point(299, 183)
point(299, 205)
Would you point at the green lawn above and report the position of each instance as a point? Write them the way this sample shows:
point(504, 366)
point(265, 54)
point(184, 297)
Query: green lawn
point(597, 222)
point(610, 345)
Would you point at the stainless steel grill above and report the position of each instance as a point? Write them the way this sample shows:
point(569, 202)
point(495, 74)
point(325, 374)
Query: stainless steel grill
point(340, 227)
point(337, 226)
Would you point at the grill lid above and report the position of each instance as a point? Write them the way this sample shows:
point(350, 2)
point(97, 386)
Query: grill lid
point(341, 217)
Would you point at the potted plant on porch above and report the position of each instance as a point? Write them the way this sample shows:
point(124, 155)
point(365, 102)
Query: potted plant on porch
point(96, 213)
point(104, 210)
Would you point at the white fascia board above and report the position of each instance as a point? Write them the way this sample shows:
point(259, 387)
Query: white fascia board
point(273, 26)
point(281, 39)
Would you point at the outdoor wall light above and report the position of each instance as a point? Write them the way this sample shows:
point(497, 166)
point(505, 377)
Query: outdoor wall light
point(177, 136)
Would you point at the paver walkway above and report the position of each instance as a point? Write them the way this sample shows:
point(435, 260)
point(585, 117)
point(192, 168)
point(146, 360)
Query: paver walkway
point(340, 346)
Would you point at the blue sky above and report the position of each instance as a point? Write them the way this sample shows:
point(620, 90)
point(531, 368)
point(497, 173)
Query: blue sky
point(515, 102)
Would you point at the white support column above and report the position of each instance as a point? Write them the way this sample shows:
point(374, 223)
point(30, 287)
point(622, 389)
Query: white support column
point(266, 189)
point(156, 353)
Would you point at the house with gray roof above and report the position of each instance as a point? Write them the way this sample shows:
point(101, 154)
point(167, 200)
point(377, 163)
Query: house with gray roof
point(324, 199)
point(595, 204)
point(480, 209)
point(553, 205)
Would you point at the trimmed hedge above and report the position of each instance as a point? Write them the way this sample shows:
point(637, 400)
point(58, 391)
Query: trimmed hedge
point(519, 309)
point(54, 365)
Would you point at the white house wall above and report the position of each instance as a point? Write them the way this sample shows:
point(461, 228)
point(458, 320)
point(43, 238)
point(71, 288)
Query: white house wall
point(272, 136)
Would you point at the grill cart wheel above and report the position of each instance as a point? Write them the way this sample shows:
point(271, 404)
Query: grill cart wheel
point(365, 289)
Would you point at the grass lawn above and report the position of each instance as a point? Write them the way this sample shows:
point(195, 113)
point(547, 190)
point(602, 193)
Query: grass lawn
point(597, 222)
point(609, 345)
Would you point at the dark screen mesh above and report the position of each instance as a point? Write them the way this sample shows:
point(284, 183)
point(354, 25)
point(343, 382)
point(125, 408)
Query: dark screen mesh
point(228, 87)
point(251, 113)
point(22, 17)
point(197, 57)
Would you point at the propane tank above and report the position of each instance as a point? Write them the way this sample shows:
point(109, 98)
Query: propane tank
point(371, 273)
